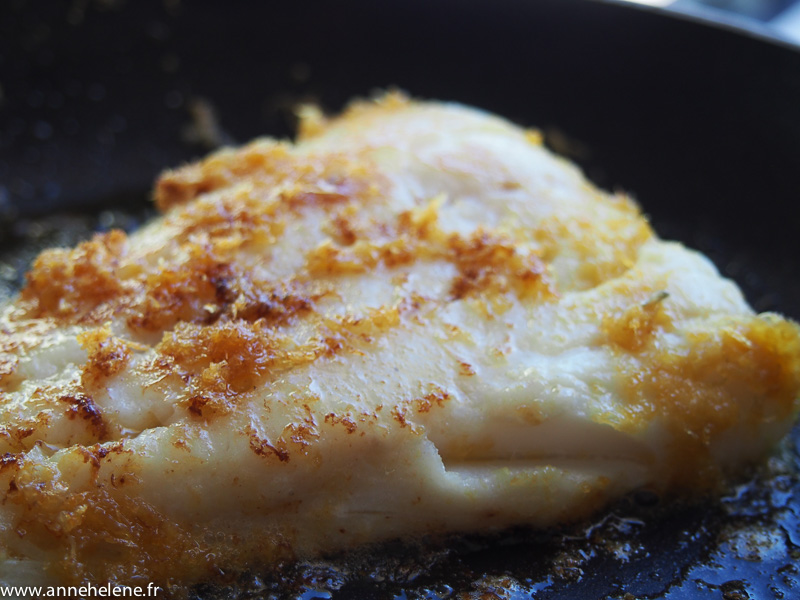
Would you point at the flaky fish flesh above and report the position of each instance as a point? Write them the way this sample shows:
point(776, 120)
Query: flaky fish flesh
point(415, 320)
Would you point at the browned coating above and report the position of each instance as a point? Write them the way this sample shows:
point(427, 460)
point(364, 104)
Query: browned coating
point(83, 407)
point(69, 284)
point(107, 356)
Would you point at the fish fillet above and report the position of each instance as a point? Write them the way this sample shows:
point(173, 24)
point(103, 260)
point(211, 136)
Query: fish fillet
point(415, 320)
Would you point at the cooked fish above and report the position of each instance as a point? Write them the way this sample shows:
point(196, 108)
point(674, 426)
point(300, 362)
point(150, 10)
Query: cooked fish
point(415, 320)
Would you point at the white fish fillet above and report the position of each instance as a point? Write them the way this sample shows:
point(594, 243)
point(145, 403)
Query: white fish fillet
point(415, 320)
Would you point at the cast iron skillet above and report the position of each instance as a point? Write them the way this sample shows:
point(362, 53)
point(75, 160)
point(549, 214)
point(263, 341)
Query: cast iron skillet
point(701, 124)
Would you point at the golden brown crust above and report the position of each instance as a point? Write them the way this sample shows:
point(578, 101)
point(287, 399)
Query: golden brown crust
point(634, 327)
point(69, 284)
point(81, 406)
point(99, 280)
point(107, 356)
point(489, 264)
point(224, 360)
point(98, 535)
point(725, 372)
point(405, 410)
point(301, 180)
point(605, 252)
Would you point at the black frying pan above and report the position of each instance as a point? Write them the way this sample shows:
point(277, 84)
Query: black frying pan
point(701, 124)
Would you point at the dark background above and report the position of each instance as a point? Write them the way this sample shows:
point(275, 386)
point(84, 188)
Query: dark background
point(701, 124)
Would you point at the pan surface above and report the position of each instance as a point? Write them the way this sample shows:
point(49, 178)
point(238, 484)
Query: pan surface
point(701, 124)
